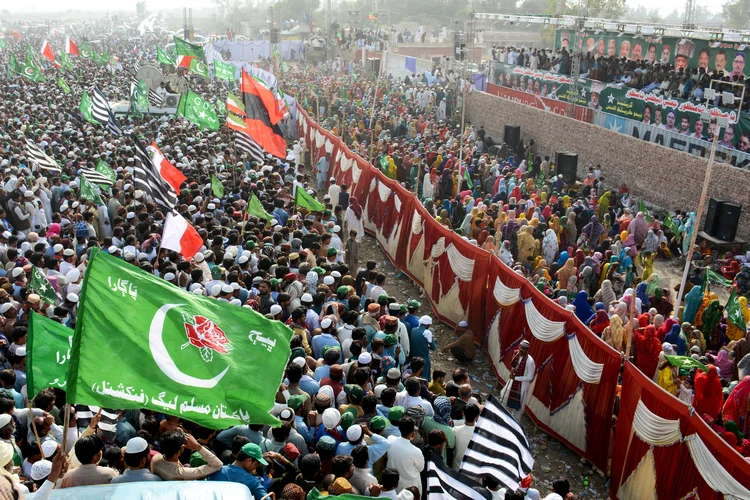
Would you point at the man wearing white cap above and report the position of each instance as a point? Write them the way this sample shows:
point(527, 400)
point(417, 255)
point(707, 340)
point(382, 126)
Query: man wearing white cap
point(136, 455)
point(333, 192)
point(325, 339)
point(463, 349)
point(522, 371)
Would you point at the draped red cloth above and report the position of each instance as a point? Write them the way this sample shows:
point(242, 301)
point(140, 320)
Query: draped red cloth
point(629, 449)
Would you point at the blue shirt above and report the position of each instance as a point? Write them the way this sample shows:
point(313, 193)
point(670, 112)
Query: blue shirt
point(323, 340)
point(302, 429)
point(235, 474)
point(321, 372)
point(375, 450)
point(226, 436)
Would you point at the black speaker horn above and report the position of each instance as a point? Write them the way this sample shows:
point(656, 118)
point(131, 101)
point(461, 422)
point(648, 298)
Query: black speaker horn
point(727, 220)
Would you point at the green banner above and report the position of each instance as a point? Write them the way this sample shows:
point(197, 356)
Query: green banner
point(47, 354)
point(729, 57)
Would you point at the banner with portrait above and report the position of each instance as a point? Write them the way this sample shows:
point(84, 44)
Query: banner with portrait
point(728, 57)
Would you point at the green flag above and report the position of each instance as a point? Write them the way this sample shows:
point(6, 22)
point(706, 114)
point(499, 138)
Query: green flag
point(30, 70)
point(717, 279)
point(467, 178)
point(13, 64)
point(303, 199)
point(199, 67)
point(139, 98)
point(734, 311)
point(87, 108)
point(65, 61)
point(642, 208)
point(669, 224)
point(105, 169)
point(224, 70)
point(221, 107)
point(704, 283)
point(101, 59)
point(383, 163)
point(47, 354)
point(185, 48)
point(686, 362)
point(64, 86)
point(41, 286)
point(171, 351)
point(216, 187)
point(88, 192)
point(254, 207)
point(3, 44)
point(316, 495)
point(164, 58)
point(87, 52)
point(197, 110)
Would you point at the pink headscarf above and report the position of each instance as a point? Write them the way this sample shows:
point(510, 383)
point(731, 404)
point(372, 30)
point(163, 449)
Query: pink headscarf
point(54, 228)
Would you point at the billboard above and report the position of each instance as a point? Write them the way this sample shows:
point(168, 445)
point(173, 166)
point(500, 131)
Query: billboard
point(727, 57)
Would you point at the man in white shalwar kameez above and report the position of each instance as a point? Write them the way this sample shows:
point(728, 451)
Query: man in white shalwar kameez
point(522, 372)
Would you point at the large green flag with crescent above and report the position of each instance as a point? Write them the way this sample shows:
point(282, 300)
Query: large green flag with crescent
point(185, 48)
point(255, 207)
point(47, 354)
point(141, 342)
point(104, 169)
point(164, 58)
point(139, 98)
point(89, 192)
point(224, 70)
point(197, 110)
point(30, 70)
point(303, 199)
point(87, 52)
point(199, 67)
point(87, 108)
point(64, 86)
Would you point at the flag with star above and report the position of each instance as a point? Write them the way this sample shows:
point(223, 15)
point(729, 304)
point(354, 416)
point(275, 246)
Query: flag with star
point(87, 108)
point(64, 86)
point(224, 70)
point(41, 286)
point(87, 52)
point(89, 192)
point(686, 362)
point(199, 67)
point(106, 170)
point(197, 110)
point(734, 312)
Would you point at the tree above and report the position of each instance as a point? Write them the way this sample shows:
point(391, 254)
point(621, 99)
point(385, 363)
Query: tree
point(607, 9)
point(140, 9)
point(736, 13)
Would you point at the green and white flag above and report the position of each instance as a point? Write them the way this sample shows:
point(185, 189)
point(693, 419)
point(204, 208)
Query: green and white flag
point(65, 61)
point(197, 110)
point(224, 70)
point(47, 354)
point(199, 68)
point(734, 312)
point(185, 48)
point(3, 44)
point(686, 363)
point(89, 192)
point(216, 187)
point(41, 286)
point(139, 98)
point(467, 178)
point(87, 52)
point(30, 70)
point(141, 342)
point(164, 58)
point(106, 170)
point(64, 86)
point(303, 199)
point(255, 208)
point(13, 66)
point(87, 108)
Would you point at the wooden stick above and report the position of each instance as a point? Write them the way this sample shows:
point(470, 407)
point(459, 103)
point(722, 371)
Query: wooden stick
point(66, 424)
point(36, 434)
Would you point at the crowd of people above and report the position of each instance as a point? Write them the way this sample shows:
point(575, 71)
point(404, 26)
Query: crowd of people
point(361, 407)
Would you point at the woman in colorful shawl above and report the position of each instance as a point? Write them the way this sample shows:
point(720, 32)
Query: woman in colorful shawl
point(489, 244)
point(705, 302)
point(600, 320)
point(593, 232)
point(641, 293)
point(526, 243)
point(710, 319)
point(665, 328)
point(467, 222)
point(587, 278)
point(550, 246)
point(563, 258)
point(675, 339)
point(606, 293)
point(687, 229)
point(651, 242)
point(737, 406)
point(614, 334)
point(564, 273)
point(709, 395)
point(572, 230)
point(602, 206)
point(638, 227)
point(583, 309)
point(647, 349)
point(505, 255)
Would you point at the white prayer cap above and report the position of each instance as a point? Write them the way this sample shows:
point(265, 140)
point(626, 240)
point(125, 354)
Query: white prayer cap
point(353, 433)
point(242, 259)
point(112, 250)
point(215, 290)
point(198, 291)
point(74, 288)
point(136, 445)
point(41, 469)
point(71, 297)
point(299, 362)
point(21, 351)
point(336, 228)
point(68, 252)
point(306, 298)
point(192, 208)
point(227, 289)
point(138, 194)
point(331, 418)
point(365, 358)
point(131, 215)
point(235, 302)
point(195, 286)
point(64, 207)
point(275, 309)
point(72, 276)
point(5, 420)
point(326, 323)
point(49, 448)
point(169, 276)
point(7, 234)
point(198, 257)
point(329, 280)
point(75, 204)
point(17, 271)
point(525, 343)
point(425, 320)
point(211, 206)
point(235, 285)
point(6, 307)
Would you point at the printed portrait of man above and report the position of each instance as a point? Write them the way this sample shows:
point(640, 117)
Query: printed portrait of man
point(625, 49)
point(651, 54)
point(704, 58)
point(611, 47)
point(637, 52)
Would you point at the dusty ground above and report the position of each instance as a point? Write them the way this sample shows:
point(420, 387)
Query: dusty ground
point(552, 458)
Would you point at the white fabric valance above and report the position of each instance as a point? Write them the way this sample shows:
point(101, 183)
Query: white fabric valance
point(586, 369)
point(383, 191)
point(542, 328)
point(373, 184)
point(346, 163)
point(356, 172)
point(438, 248)
point(463, 267)
point(653, 429)
point(397, 203)
point(319, 139)
point(505, 296)
point(329, 146)
point(416, 223)
point(713, 472)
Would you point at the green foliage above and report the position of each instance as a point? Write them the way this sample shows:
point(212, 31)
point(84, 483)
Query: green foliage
point(736, 13)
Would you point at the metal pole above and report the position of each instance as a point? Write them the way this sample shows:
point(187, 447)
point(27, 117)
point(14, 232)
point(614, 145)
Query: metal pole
point(372, 115)
point(699, 216)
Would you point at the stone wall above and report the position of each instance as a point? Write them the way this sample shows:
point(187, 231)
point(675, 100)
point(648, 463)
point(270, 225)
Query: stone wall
point(663, 177)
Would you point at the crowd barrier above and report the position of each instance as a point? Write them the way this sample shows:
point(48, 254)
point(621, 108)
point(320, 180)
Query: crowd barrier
point(572, 397)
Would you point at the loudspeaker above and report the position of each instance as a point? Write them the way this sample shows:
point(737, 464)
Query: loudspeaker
point(727, 220)
point(709, 227)
point(567, 165)
point(512, 135)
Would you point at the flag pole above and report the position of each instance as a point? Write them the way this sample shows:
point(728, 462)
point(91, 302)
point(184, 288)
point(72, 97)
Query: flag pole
point(66, 424)
point(36, 434)
point(372, 116)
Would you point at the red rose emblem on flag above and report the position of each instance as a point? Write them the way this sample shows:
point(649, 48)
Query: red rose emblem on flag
point(206, 335)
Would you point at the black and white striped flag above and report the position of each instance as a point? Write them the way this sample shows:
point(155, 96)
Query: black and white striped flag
point(41, 159)
point(103, 113)
point(447, 484)
point(97, 178)
point(155, 99)
point(498, 448)
point(149, 180)
point(108, 422)
point(245, 143)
